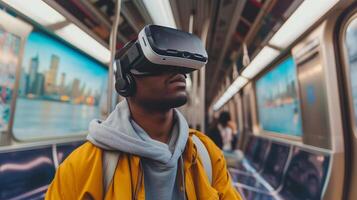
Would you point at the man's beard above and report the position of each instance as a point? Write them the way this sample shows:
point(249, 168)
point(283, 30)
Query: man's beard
point(164, 104)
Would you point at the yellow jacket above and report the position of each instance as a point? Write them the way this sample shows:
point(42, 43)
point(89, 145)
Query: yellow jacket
point(80, 175)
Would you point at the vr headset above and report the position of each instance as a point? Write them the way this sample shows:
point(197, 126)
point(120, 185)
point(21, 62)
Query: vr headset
point(157, 49)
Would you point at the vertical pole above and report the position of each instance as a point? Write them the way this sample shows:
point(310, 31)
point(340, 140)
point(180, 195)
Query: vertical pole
point(193, 110)
point(202, 99)
point(112, 47)
point(203, 80)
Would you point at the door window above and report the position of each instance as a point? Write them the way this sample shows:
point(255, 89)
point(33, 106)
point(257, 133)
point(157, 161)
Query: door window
point(351, 53)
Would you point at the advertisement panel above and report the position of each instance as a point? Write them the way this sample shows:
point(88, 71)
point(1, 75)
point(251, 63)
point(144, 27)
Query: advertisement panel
point(60, 90)
point(277, 100)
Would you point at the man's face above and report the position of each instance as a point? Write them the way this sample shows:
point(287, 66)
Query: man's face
point(163, 91)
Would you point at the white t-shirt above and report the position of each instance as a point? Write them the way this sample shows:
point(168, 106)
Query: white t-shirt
point(227, 136)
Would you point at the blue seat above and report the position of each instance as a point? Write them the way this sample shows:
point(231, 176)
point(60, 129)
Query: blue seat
point(260, 150)
point(25, 174)
point(63, 150)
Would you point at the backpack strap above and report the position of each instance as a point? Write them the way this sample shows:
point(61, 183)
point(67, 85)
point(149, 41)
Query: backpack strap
point(204, 155)
point(110, 160)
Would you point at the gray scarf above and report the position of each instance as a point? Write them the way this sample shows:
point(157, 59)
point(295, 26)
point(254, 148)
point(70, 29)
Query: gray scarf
point(159, 160)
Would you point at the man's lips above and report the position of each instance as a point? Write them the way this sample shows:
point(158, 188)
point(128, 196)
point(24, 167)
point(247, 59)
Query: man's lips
point(177, 78)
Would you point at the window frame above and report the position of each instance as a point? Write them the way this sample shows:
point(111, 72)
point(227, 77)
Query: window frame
point(20, 29)
point(347, 68)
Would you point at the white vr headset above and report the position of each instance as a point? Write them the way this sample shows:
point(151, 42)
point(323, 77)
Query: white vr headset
point(158, 49)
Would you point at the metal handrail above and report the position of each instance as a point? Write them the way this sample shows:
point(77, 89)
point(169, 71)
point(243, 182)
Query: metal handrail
point(112, 48)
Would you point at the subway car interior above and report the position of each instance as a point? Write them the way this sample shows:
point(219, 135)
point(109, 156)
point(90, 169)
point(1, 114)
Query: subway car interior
point(284, 70)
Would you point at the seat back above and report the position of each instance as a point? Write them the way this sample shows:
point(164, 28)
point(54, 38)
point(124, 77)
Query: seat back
point(25, 174)
point(63, 150)
point(275, 164)
point(260, 150)
point(250, 147)
point(306, 175)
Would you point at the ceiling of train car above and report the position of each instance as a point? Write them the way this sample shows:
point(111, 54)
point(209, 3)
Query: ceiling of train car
point(200, 10)
point(98, 16)
point(249, 22)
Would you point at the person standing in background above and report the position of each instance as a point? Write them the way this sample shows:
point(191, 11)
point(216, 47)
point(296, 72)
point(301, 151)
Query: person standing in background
point(226, 130)
point(214, 133)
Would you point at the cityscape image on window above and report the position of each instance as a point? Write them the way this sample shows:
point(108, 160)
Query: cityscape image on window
point(60, 89)
point(49, 81)
point(278, 103)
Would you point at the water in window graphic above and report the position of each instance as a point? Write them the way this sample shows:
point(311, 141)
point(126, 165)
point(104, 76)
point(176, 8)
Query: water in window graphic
point(60, 90)
point(351, 41)
point(9, 58)
point(278, 103)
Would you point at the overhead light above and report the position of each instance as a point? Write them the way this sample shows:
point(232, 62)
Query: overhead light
point(230, 92)
point(76, 36)
point(37, 10)
point(45, 15)
point(264, 57)
point(161, 12)
point(20, 26)
point(302, 19)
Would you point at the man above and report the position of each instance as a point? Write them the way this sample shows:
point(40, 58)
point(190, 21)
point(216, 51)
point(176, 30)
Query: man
point(158, 158)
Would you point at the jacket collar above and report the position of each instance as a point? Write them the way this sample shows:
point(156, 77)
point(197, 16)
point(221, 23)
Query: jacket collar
point(190, 154)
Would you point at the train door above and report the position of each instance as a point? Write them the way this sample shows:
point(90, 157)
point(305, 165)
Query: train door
point(347, 49)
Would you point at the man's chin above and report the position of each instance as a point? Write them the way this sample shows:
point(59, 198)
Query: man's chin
point(179, 101)
point(169, 103)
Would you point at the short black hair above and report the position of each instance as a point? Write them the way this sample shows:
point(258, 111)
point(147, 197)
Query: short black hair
point(224, 118)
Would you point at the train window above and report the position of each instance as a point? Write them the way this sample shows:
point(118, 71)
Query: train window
point(277, 100)
point(350, 44)
point(9, 58)
point(60, 90)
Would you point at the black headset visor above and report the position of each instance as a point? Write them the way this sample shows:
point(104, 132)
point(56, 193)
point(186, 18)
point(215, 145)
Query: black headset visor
point(172, 42)
point(160, 49)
